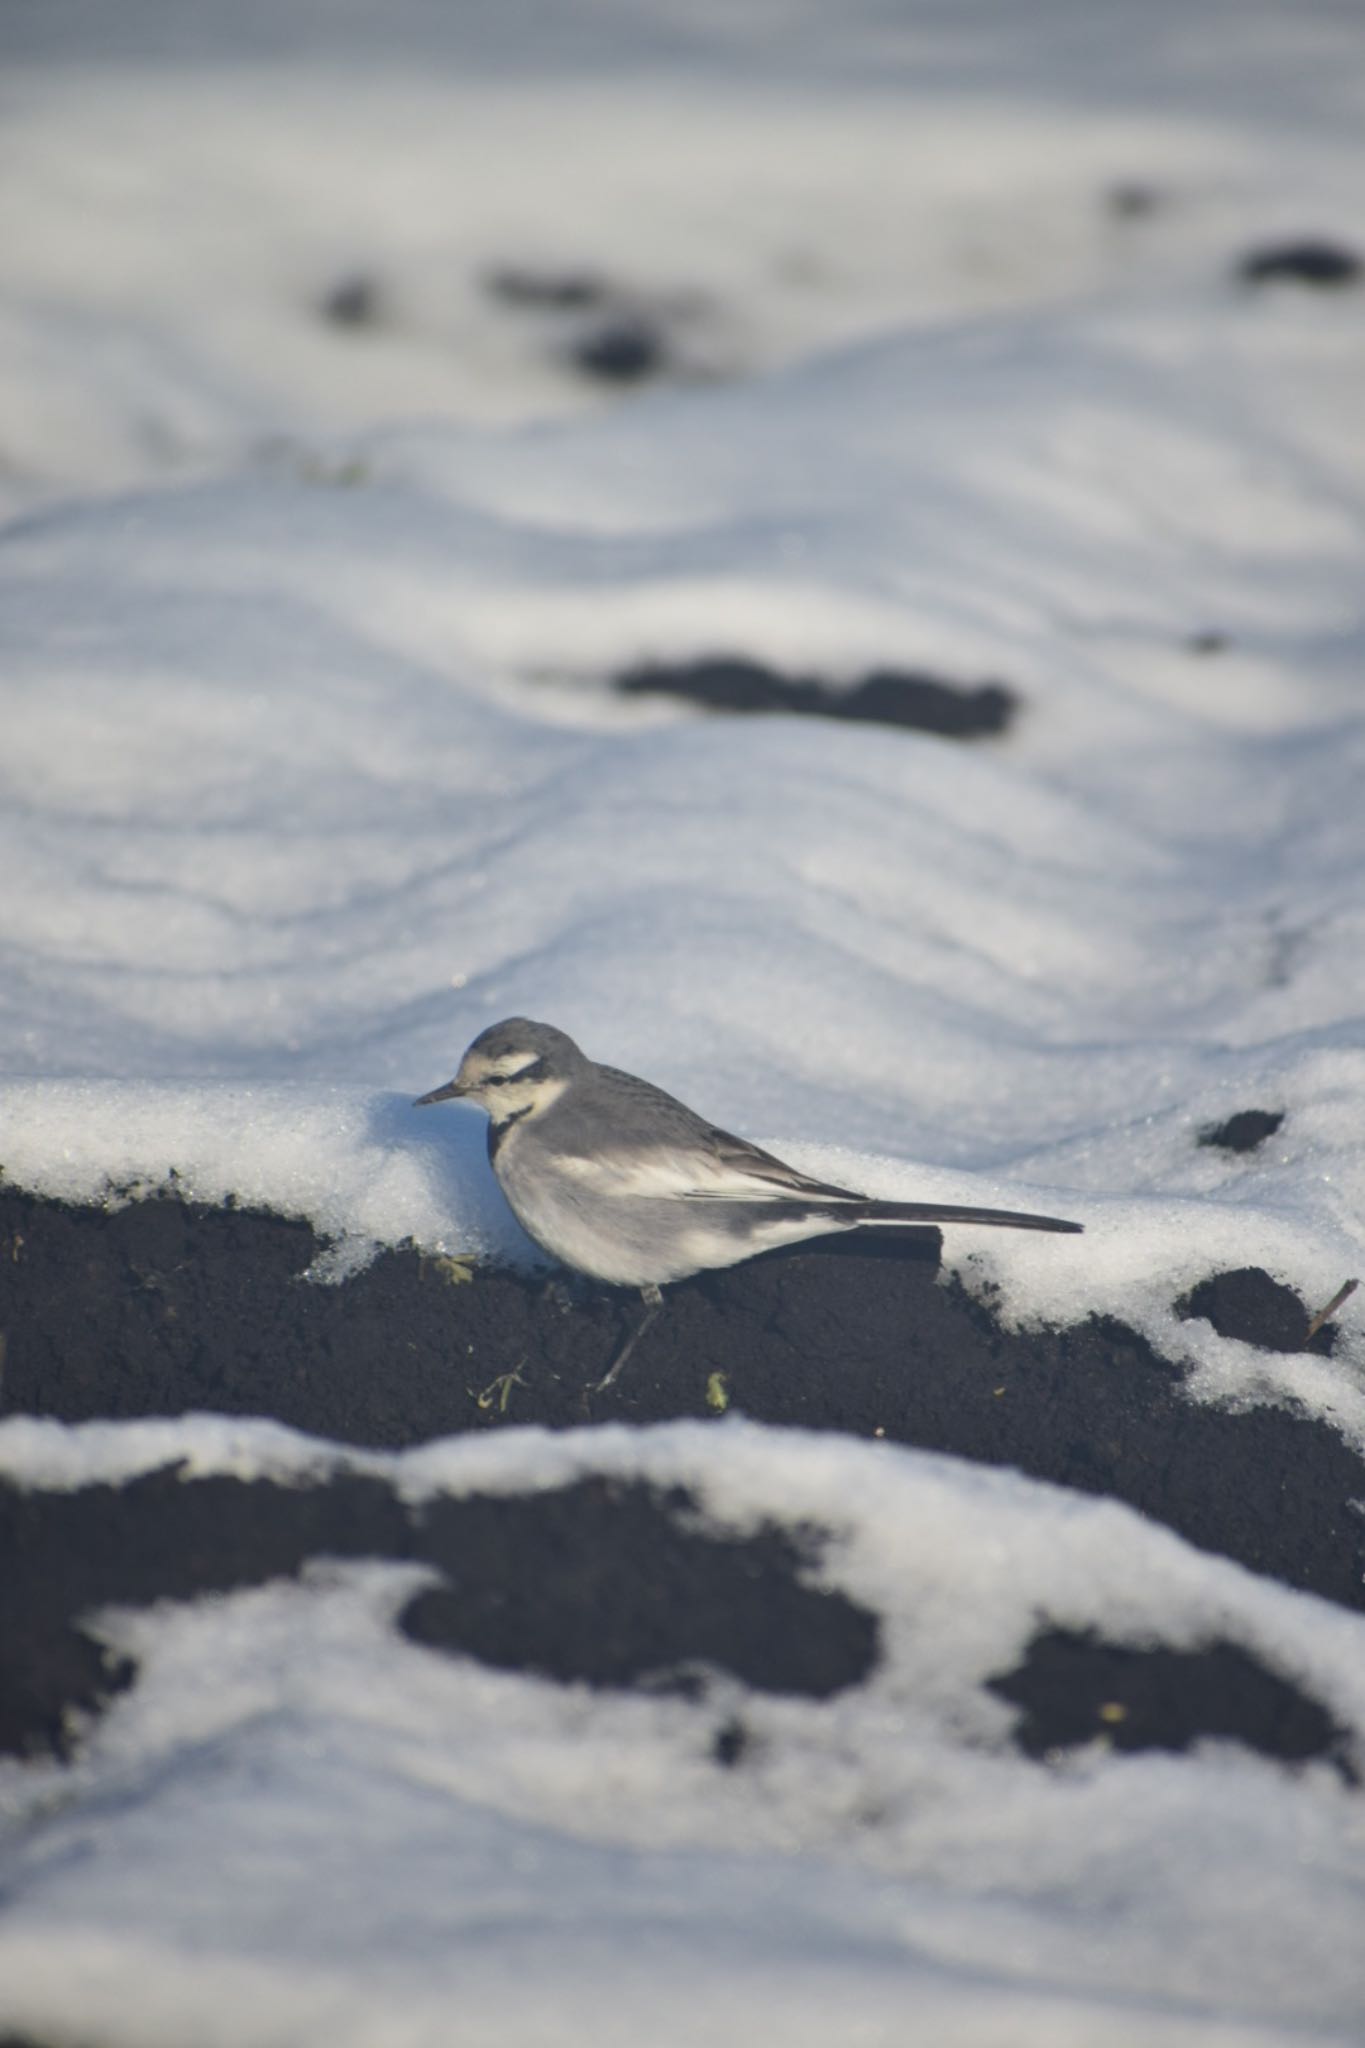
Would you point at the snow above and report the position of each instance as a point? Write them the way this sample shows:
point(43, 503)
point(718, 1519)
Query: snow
point(298, 800)
point(398, 1833)
point(310, 770)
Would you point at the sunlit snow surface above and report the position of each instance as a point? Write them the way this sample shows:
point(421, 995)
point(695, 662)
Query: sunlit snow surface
point(310, 769)
point(300, 1827)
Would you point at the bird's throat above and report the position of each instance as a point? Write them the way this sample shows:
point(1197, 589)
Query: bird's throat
point(497, 1131)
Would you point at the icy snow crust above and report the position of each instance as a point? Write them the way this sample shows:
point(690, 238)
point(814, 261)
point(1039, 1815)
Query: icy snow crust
point(309, 770)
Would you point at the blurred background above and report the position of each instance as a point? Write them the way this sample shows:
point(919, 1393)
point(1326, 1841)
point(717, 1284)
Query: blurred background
point(224, 225)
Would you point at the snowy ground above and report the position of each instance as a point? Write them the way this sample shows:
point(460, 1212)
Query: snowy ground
point(311, 767)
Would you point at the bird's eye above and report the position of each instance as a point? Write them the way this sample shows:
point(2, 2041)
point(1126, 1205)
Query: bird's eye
point(532, 1071)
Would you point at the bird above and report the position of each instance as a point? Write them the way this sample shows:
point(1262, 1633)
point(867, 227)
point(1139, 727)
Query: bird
point(621, 1181)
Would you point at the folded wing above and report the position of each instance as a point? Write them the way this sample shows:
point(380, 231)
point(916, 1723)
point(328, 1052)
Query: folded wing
point(729, 1169)
point(723, 1168)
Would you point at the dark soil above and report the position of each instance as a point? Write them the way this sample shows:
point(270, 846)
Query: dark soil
point(1134, 199)
point(164, 1308)
point(907, 698)
point(623, 350)
point(607, 1583)
point(1248, 1305)
point(1312, 261)
point(606, 331)
point(1244, 1131)
point(354, 302)
point(549, 291)
point(1075, 1688)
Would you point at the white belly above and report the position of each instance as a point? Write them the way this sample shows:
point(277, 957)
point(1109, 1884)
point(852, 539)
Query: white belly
point(634, 1240)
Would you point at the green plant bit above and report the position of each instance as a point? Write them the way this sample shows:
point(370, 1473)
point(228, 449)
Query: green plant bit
point(498, 1392)
point(457, 1271)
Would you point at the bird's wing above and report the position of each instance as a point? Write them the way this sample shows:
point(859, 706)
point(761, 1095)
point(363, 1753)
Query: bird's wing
point(716, 1167)
point(743, 1171)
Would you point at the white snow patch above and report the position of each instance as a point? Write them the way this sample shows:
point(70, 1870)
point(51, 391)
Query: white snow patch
point(1029, 972)
point(887, 1842)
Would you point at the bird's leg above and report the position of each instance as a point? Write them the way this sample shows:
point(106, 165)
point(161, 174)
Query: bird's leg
point(653, 1301)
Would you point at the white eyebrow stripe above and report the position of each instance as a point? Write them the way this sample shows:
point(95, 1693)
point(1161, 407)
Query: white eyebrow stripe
point(513, 1063)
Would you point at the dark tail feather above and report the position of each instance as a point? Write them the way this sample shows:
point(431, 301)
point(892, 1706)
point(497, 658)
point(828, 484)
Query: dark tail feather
point(942, 1212)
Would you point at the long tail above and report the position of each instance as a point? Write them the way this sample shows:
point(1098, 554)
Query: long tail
point(942, 1212)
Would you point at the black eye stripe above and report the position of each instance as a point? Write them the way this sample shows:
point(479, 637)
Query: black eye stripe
point(531, 1073)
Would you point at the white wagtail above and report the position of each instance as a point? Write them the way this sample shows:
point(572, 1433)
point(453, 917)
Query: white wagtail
point(626, 1184)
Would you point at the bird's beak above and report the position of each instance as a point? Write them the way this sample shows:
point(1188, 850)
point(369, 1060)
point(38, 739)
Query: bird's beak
point(441, 1094)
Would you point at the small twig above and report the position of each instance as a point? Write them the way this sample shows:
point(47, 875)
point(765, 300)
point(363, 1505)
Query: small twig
point(1324, 1315)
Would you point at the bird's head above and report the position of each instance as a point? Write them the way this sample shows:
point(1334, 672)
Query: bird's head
point(513, 1069)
